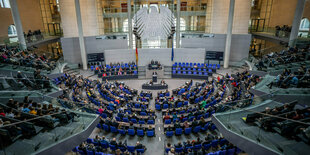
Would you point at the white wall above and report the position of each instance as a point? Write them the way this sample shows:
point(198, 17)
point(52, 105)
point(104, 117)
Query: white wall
point(220, 16)
point(240, 44)
point(162, 55)
point(89, 18)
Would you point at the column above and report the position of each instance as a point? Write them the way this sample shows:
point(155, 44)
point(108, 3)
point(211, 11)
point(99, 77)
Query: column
point(178, 24)
point(18, 24)
point(81, 36)
point(229, 32)
point(296, 22)
point(129, 23)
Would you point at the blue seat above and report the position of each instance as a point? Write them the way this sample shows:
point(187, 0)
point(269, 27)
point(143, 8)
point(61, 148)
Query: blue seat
point(89, 140)
point(165, 106)
point(150, 122)
point(169, 133)
point(188, 131)
point(140, 151)
point(104, 145)
point(140, 132)
point(125, 119)
point(131, 132)
point(223, 141)
point(178, 131)
point(205, 127)
point(89, 152)
point(133, 120)
point(218, 66)
point(174, 72)
point(196, 129)
point(99, 153)
point(143, 113)
point(206, 146)
point(150, 133)
point(105, 127)
point(157, 107)
point(167, 150)
point(91, 68)
point(113, 129)
point(197, 147)
point(185, 103)
point(98, 126)
point(180, 104)
point(131, 149)
point(122, 131)
point(213, 127)
point(135, 72)
point(113, 147)
point(141, 122)
point(168, 121)
point(179, 150)
point(231, 151)
point(214, 143)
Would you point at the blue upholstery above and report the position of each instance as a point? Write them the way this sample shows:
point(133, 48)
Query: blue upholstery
point(150, 122)
point(168, 121)
point(196, 129)
point(113, 147)
point(122, 132)
point(131, 149)
point(113, 129)
point(150, 133)
point(140, 132)
point(169, 133)
point(131, 132)
point(187, 131)
point(179, 150)
point(231, 151)
point(140, 151)
point(157, 107)
point(105, 127)
point(178, 131)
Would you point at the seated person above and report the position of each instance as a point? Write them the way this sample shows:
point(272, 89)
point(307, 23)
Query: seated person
point(179, 145)
point(140, 146)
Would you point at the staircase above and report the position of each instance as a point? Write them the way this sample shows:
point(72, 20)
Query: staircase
point(71, 69)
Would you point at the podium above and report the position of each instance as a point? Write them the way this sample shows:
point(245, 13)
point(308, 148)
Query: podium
point(154, 79)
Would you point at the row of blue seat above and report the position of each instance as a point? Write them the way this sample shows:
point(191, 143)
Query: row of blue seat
point(192, 73)
point(187, 131)
point(131, 132)
point(199, 65)
point(195, 69)
point(198, 147)
point(106, 145)
point(213, 144)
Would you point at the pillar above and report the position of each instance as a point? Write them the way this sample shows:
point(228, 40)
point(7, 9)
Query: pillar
point(229, 33)
point(178, 24)
point(296, 22)
point(18, 24)
point(129, 23)
point(80, 31)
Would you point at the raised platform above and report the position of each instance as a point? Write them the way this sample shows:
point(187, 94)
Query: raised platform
point(154, 86)
point(204, 77)
point(149, 73)
point(119, 77)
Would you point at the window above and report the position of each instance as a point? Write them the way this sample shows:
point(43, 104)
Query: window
point(304, 25)
point(5, 3)
point(12, 31)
